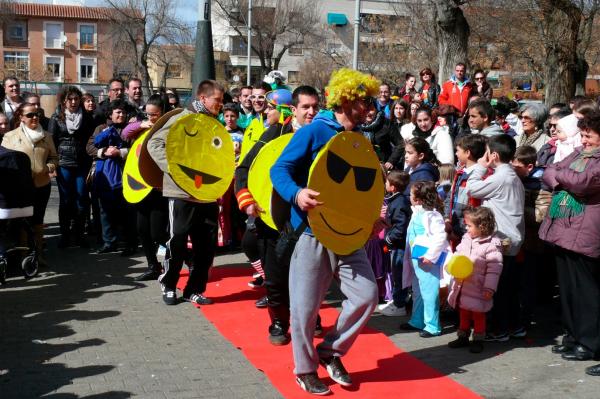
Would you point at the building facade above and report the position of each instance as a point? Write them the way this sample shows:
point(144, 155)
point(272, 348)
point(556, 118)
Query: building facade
point(50, 44)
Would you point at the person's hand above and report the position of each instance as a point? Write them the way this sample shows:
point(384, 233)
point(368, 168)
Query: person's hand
point(425, 262)
point(112, 152)
point(388, 166)
point(146, 124)
point(133, 119)
point(254, 210)
point(488, 294)
point(485, 160)
point(307, 199)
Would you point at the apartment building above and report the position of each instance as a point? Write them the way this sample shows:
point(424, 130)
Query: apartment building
point(57, 44)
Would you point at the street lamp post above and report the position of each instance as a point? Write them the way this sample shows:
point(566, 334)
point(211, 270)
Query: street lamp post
point(204, 59)
point(249, 63)
point(356, 34)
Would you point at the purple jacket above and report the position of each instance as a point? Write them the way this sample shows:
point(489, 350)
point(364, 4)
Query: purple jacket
point(580, 233)
point(486, 254)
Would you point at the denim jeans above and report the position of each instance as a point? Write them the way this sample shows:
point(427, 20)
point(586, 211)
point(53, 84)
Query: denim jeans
point(72, 188)
point(399, 294)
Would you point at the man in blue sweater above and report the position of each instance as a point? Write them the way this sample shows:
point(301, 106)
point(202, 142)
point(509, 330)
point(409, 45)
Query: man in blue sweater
point(313, 266)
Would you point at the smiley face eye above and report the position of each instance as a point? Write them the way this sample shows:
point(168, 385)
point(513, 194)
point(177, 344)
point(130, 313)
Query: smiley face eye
point(190, 133)
point(216, 142)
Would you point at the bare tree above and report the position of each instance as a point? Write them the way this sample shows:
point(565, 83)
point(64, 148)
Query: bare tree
point(144, 23)
point(5, 11)
point(277, 26)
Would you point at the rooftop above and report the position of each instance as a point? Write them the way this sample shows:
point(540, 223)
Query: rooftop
point(58, 11)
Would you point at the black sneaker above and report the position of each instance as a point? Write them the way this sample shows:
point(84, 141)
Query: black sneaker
point(257, 282)
point(336, 370)
point(460, 342)
point(198, 299)
point(107, 249)
point(262, 302)
point(169, 297)
point(148, 274)
point(278, 335)
point(312, 384)
point(476, 346)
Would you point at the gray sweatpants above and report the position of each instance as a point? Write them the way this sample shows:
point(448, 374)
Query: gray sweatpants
point(311, 270)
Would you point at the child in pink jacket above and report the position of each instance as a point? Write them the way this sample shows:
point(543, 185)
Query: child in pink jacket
point(472, 297)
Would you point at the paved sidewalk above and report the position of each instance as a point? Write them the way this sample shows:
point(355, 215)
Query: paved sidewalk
point(85, 329)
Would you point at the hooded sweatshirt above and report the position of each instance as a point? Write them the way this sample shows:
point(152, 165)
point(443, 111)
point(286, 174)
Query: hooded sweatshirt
point(290, 173)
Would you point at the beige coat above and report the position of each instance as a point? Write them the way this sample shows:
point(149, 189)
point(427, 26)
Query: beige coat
point(42, 155)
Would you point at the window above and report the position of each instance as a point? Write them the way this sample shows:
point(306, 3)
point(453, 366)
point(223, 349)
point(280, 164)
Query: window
point(238, 46)
point(296, 50)
point(293, 76)
point(16, 63)
point(87, 70)
point(54, 68)
point(173, 71)
point(17, 30)
point(87, 36)
point(53, 32)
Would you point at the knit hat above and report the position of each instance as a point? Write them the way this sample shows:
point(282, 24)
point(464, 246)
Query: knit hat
point(568, 125)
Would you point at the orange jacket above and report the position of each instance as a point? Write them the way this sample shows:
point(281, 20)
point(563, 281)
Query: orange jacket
point(453, 95)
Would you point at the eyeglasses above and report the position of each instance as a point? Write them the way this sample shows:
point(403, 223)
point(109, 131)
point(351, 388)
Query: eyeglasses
point(259, 97)
point(153, 114)
point(552, 125)
point(479, 78)
point(525, 117)
point(425, 74)
point(30, 115)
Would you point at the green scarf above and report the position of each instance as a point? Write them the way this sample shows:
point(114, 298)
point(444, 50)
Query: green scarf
point(564, 204)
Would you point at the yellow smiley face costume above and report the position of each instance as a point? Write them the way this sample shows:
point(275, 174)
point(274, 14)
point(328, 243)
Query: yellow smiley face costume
point(200, 157)
point(347, 174)
point(135, 188)
point(259, 182)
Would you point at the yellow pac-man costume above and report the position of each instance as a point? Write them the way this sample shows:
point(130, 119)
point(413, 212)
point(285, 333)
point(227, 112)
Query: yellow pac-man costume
point(200, 156)
point(135, 188)
point(347, 174)
point(251, 136)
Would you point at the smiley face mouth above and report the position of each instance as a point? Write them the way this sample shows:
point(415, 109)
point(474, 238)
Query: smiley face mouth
point(336, 231)
point(198, 177)
point(134, 184)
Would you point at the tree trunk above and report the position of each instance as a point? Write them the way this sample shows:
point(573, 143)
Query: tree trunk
point(581, 70)
point(561, 19)
point(453, 33)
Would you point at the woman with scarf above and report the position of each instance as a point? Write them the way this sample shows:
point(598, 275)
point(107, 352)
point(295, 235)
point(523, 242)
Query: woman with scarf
point(110, 150)
point(572, 226)
point(71, 129)
point(30, 138)
point(533, 116)
point(438, 137)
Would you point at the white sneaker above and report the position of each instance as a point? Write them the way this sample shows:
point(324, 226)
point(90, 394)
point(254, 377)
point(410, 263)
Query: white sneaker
point(383, 305)
point(393, 310)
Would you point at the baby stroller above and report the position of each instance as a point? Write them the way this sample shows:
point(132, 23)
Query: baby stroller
point(16, 207)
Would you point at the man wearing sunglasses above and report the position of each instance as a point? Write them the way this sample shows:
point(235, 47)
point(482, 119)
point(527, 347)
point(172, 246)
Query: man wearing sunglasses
point(312, 265)
point(258, 124)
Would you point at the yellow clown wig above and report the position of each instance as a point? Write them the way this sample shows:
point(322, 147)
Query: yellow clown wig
point(348, 85)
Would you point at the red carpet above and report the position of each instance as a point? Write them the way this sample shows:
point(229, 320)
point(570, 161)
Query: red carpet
point(378, 368)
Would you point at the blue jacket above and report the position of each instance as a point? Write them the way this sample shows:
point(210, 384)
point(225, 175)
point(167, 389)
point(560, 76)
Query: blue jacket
point(424, 172)
point(398, 214)
point(290, 173)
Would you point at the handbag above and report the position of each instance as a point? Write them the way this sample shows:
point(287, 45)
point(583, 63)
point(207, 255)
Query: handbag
point(89, 179)
point(284, 248)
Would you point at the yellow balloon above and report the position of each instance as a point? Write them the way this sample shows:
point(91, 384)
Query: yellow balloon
point(251, 135)
point(347, 174)
point(460, 266)
point(135, 188)
point(200, 156)
point(259, 181)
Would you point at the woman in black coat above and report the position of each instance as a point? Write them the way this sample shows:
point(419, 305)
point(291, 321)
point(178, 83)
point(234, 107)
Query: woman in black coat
point(71, 128)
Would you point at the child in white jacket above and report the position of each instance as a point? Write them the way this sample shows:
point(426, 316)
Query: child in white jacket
point(426, 252)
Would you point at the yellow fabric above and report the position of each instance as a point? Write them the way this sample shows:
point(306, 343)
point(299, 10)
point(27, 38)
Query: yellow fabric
point(460, 266)
point(259, 181)
point(344, 222)
point(251, 135)
point(135, 188)
point(200, 156)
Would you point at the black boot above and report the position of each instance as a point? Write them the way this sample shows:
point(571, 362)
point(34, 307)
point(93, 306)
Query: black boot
point(151, 273)
point(280, 323)
point(64, 221)
point(79, 230)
